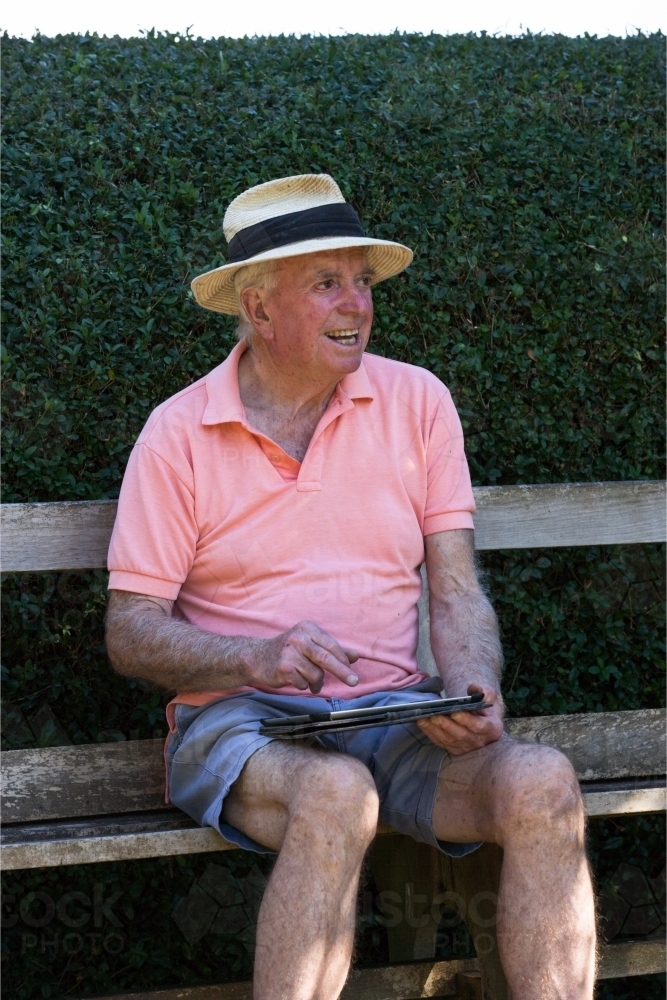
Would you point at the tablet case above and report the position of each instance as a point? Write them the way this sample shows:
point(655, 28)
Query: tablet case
point(319, 723)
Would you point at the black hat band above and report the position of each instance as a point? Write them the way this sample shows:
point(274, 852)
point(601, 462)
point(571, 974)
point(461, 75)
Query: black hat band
point(339, 219)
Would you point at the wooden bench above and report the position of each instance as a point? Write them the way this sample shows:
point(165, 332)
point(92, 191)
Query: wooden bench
point(105, 802)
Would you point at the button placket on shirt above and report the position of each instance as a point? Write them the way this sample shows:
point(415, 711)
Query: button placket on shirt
point(310, 475)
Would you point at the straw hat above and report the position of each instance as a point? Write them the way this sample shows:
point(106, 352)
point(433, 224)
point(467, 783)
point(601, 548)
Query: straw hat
point(286, 217)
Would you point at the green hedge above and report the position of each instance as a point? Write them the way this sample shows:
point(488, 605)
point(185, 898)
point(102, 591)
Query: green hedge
point(527, 174)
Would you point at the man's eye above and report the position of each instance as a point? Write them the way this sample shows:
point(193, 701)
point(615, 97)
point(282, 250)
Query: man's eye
point(325, 284)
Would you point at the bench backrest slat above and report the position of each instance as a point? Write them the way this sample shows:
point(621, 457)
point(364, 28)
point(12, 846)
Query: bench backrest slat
point(56, 536)
point(526, 517)
point(99, 779)
point(75, 535)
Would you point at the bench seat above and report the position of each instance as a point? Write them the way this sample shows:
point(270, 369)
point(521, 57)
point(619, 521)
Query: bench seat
point(123, 836)
point(105, 802)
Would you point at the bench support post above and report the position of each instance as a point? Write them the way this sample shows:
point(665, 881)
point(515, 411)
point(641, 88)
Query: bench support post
point(407, 876)
point(475, 879)
point(410, 878)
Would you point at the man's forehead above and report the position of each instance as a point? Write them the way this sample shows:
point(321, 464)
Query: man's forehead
point(328, 263)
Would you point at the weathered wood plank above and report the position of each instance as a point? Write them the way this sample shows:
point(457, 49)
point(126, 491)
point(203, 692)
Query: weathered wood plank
point(106, 838)
point(395, 982)
point(56, 536)
point(625, 802)
point(632, 958)
point(525, 517)
point(423, 979)
point(120, 847)
point(88, 780)
point(601, 745)
point(100, 839)
point(75, 535)
point(97, 779)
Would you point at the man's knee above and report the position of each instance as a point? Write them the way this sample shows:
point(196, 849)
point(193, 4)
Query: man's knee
point(538, 789)
point(337, 798)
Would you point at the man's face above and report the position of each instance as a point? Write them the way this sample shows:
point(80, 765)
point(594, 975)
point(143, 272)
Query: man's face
point(321, 312)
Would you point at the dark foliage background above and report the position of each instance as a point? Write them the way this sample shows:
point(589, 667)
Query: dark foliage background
point(527, 174)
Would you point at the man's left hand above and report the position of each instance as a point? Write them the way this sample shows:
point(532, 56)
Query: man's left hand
point(464, 731)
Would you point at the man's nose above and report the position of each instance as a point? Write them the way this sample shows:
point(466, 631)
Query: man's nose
point(354, 299)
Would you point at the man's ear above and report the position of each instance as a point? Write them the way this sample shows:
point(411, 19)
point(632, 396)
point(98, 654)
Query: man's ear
point(252, 300)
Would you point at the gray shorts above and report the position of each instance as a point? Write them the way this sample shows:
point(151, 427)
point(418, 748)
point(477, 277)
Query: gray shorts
point(206, 754)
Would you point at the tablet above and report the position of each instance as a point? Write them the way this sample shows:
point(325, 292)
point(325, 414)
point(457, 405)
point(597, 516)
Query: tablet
point(319, 723)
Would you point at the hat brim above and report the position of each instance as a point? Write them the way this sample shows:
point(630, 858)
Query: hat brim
point(215, 289)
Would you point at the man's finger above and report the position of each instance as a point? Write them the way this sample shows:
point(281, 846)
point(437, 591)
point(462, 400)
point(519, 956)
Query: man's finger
point(457, 721)
point(321, 639)
point(326, 641)
point(448, 727)
point(458, 738)
point(455, 743)
point(327, 661)
point(300, 682)
point(470, 721)
point(310, 672)
point(314, 680)
point(457, 727)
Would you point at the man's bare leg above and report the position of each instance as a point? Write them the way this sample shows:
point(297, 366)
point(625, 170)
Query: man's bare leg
point(526, 798)
point(320, 811)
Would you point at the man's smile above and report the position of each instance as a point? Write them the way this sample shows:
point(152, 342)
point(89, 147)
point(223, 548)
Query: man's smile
point(346, 337)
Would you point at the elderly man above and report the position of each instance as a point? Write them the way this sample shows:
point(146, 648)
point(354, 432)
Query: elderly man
point(265, 562)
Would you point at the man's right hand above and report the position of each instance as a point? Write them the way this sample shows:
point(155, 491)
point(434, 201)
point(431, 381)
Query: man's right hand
point(144, 639)
point(300, 657)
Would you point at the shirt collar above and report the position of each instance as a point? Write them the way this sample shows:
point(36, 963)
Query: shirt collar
point(222, 389)
point(224, 403)
point(356, 385)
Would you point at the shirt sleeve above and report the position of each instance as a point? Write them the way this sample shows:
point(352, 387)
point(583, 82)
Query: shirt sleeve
point(450, 502)
point(155, 535)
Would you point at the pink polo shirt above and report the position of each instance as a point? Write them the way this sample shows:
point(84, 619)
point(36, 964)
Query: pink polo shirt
point(247, 541)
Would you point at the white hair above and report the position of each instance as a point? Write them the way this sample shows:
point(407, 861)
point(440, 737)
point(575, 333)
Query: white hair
point(262, 275)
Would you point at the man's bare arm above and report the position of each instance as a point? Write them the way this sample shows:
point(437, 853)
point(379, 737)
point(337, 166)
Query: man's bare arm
point(465, 642)
point(144, 640)
point(464, 628)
